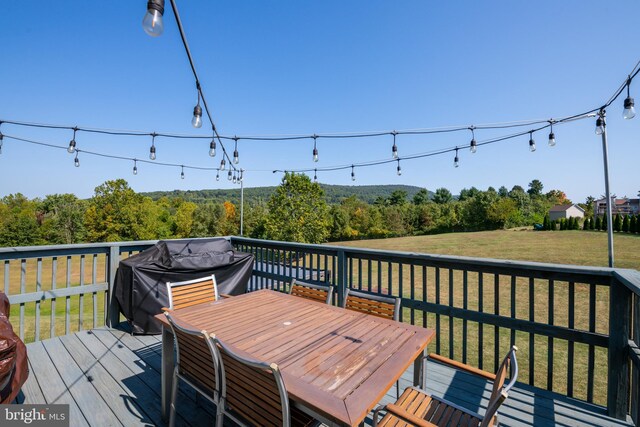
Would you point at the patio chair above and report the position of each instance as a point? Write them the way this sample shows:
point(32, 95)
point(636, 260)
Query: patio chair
point(197, 364)
point(253, 393)
point(192, 292)
point(313, 292)
point(416, 407)
point(375, 305)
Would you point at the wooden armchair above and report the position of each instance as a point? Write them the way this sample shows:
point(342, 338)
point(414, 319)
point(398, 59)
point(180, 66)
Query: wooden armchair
point(192, 292)
point(376, 305)
point(253, 393)
point(417, 408)
point(197, 364)
point(313, 292)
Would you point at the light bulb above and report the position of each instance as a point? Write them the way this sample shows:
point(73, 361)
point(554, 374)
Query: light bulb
point(222, 164)
point(182, 174)
point(218, 176)
point(152, 21)
point(241, 177)
point(235, 180)
point(196, 121)
point(152, 152)
point(629, 109)
point(72, 146)
point(353, 176)
point(473, 147)
point(236, 157)
point(456, 161)
point(76, 162)
point(552, 139)
point(532, 145)
point(1, 138)
point(399, 170)
point(394, 151)
point(135, 170)
point(315, 178)
point(315, 154)
point(212, 148)
point(599, 126)
point(229, 175)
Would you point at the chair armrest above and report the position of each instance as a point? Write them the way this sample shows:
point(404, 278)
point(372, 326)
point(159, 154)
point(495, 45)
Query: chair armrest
point(462, 366)
point(407, 417)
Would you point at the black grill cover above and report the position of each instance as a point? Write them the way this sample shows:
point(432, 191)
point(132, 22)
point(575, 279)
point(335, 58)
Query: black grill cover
point(141, 279)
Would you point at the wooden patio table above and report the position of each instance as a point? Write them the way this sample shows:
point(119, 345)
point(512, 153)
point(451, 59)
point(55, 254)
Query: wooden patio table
point(336, 363)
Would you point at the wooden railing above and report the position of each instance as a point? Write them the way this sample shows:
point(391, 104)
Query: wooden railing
point(577, 328)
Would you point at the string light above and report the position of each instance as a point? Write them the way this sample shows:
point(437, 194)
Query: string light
point(629, 109)
point(72, 143)
point(456, 160)
point(152, 21)
point(394, 149)
point(76, 161)
point(236, 156)
point(599, 125)
point(152, 150)
point(399, 169)
point(235, 179)
point(315, 175)
point(229, 175)
point(473, 146)
point(182, 172)
point(315, 148)
point(222, 164)
point(135, 166)
point(552, 136)
point(532, 143)
point(196, 121)
point(353, 174)
point(218, 175)
point(212, 147)
point(241, 178)
point(1, 138)
point(284, 178)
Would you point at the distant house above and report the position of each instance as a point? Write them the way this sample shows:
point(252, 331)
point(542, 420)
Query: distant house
point(565, 211)
point(624, 206)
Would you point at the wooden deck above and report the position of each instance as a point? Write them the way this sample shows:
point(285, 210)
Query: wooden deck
point(110, 378)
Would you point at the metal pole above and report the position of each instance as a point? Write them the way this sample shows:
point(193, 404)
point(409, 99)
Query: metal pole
point(241, 202)
point(605, 154)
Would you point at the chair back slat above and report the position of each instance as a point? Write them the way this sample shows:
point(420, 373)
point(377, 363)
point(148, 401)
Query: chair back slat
point(194, 357)
point(376, 305)
point(253, 390)
point(192, 292)
point(500, 392)
point(310, 291)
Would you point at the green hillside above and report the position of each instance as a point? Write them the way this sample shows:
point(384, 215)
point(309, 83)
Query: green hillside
point(333, 193)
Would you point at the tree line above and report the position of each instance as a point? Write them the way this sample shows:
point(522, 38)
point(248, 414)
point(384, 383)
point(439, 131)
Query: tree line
point(296, 210)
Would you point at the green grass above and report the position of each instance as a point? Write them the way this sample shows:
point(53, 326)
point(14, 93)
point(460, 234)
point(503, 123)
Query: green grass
point(561, 247)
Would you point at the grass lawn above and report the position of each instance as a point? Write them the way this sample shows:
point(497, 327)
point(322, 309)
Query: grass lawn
point(561, 247)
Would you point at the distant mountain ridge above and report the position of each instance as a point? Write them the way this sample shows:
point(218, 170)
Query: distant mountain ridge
point(333, 193)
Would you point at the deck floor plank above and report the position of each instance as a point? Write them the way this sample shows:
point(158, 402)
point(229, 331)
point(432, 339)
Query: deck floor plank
point(127, 367)
point(53, 388)
point(121, 401)
point(91, 403)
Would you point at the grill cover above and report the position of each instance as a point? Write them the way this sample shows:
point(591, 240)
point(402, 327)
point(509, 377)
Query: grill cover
point(141, 279)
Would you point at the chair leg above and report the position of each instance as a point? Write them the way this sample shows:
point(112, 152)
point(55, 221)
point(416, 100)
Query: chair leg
point(174, 394)
point(220, 412)
point(397, 390)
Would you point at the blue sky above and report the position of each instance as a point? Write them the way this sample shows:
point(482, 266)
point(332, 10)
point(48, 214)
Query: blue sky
point(301, 67)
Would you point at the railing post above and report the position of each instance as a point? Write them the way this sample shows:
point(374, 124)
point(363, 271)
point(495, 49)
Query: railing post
point(341, 286)
point(113, 310)
point(619, 324)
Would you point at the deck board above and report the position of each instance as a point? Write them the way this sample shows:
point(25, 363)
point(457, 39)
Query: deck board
point(125, 386)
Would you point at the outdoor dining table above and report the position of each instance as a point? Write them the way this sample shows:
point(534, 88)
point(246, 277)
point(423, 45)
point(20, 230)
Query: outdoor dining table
point(336, 364)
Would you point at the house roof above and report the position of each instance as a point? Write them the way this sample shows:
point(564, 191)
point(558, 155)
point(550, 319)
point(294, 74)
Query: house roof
point(562, 208)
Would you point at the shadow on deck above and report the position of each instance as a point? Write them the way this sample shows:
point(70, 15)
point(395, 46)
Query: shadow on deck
point(109, 377)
